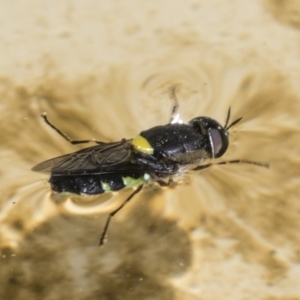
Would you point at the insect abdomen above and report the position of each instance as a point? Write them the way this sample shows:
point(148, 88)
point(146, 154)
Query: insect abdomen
point(95, 184)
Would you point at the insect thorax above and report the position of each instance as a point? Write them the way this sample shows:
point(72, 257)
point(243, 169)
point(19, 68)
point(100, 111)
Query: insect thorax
point(177, 142)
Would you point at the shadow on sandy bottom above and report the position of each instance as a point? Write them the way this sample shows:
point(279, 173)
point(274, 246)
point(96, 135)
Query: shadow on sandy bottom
point(61, 260)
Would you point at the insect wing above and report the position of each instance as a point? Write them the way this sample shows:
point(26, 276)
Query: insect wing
point(48, 165)
point(93, 160)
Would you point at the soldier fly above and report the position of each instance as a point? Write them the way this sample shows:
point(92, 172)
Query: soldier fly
point(155, 155)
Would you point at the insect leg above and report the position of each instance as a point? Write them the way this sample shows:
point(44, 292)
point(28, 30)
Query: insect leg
point(163, 183)
point(176, 105)
point(73, 142)
point(235, 161)
point(103, 235)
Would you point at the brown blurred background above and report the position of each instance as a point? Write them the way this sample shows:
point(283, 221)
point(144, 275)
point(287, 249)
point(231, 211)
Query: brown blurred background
point(102, 69)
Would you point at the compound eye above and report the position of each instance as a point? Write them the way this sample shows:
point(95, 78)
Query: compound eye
point(218, 142)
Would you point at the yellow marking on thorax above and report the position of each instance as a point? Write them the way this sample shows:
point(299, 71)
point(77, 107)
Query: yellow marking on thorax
point(141, 144)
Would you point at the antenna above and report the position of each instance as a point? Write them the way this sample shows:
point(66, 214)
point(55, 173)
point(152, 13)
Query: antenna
point(227, 120)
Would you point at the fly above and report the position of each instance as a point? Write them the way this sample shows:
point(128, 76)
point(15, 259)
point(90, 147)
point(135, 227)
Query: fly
point(155, 155)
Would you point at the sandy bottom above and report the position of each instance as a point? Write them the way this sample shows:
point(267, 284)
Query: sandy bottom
point(102, 69)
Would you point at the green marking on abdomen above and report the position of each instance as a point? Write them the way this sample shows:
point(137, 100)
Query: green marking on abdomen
point(130, 181)
point(106, 186)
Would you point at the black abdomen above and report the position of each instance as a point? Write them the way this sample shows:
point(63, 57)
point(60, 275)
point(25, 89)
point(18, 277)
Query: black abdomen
point(94, 184)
